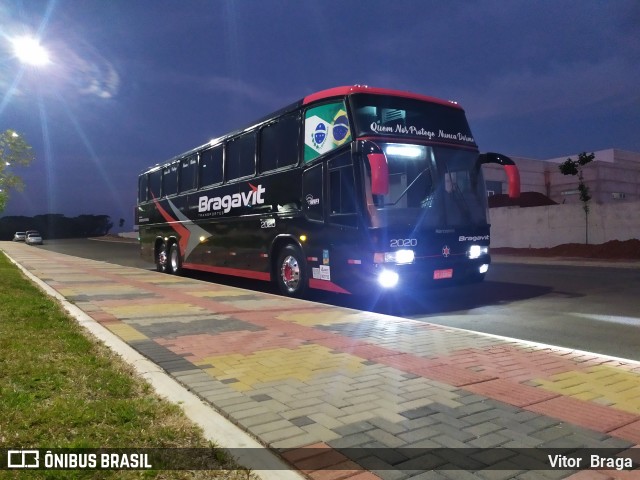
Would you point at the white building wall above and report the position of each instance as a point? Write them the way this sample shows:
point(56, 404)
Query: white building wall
point(548, 226)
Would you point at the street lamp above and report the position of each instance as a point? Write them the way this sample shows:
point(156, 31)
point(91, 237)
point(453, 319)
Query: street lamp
point(29, 51)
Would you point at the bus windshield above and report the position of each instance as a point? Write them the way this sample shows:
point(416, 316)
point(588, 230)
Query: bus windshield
point(376, 115)
point(431, 187)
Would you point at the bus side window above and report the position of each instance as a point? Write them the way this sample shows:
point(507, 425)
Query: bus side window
point(143, 184)
point(170, 180)
point(187, 178)
point(342, 191)
point(279, 143)
point(211, 166)
point(155, 184)
point(240, 158)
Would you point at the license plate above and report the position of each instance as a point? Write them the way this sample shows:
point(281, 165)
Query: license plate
point(440, 274)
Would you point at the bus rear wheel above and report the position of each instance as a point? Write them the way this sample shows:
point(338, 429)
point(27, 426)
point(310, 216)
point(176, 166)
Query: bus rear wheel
point(162, 258)
point(175, 262)
point(291, 271)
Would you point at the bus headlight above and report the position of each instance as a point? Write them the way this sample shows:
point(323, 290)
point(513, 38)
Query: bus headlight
point(399, 257)
point(476, 251)
point(388, 278)
point(483, 268)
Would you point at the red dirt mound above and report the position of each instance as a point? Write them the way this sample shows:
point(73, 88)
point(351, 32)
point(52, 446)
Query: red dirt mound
point(526, 199)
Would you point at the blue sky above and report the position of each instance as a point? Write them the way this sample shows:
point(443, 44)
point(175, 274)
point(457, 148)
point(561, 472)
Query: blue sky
point(135, 82)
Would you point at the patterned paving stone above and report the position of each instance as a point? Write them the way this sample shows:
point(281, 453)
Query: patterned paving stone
point(162, 356)
point(212, 325)
point(294, 373)
point(611, 386)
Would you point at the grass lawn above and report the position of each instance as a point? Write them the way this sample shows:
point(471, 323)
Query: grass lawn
point(61, 389)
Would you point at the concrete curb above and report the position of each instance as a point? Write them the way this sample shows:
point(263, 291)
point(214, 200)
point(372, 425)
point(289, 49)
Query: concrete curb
point(216, 427)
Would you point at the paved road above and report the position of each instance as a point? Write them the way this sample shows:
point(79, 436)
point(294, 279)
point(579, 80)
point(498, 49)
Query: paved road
point(587, 308)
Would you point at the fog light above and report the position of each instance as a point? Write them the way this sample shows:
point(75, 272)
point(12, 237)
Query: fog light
point(483, 268)
point(388, 278)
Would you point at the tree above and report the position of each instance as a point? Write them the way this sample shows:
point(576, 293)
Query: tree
point(14, 151)
point(575, 167)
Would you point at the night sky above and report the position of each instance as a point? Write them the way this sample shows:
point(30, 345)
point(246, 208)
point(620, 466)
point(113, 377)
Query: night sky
point(132, 83)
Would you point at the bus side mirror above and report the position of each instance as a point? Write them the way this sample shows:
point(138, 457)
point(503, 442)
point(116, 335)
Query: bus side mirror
point(379, 173)
point(510, 168)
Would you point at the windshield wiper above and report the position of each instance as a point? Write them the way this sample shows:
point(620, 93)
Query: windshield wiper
point(407, 189)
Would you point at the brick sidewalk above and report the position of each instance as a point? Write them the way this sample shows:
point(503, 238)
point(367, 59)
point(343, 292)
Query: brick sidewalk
point(298, 374)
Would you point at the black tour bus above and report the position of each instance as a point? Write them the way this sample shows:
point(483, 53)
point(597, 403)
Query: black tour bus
point(348, 190)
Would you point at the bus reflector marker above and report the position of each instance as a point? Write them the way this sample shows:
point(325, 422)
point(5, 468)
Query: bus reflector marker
point(354, 262)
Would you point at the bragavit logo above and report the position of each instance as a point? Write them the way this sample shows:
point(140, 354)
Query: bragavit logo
point(227, 202)
point(462, 238)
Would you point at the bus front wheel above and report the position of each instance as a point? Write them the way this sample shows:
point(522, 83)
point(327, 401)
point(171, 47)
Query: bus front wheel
point(161, 258)
point(291, 272)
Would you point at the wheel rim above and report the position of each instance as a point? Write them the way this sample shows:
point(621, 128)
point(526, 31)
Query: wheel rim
point(290, 273)
point(162, 258)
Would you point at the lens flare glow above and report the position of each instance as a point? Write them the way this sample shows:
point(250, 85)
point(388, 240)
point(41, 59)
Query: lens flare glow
point(29, 51)
point(388, 279)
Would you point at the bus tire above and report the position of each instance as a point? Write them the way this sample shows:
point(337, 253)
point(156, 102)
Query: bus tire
point(162, 258)
point(291, 272)
point(174, 262)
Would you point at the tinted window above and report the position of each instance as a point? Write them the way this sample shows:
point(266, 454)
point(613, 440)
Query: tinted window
point(342, 191)
point(312, 202)
point(211, 166)
point(170, 180)
point(188, 168)
point(279, 143)
point(143, 183)
point(240, 159)
point(155, 183)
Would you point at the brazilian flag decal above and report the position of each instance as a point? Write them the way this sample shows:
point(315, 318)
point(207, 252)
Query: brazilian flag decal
point(325, 127)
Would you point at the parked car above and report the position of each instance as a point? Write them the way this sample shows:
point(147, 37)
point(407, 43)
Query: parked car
point(33, 238)
point(19, 237)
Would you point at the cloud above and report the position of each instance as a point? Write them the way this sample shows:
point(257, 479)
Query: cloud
point(81, 69)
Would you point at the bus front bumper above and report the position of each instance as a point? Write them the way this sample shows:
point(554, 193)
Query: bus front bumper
point(385, 277)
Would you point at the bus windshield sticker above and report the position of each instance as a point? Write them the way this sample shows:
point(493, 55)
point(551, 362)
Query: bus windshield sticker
point(325, 272)
point(325, 127)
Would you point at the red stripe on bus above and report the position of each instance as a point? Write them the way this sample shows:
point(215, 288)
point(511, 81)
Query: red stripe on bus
point(237, 272)
point(328, 286)
point(342, 91)
point(182, 231)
